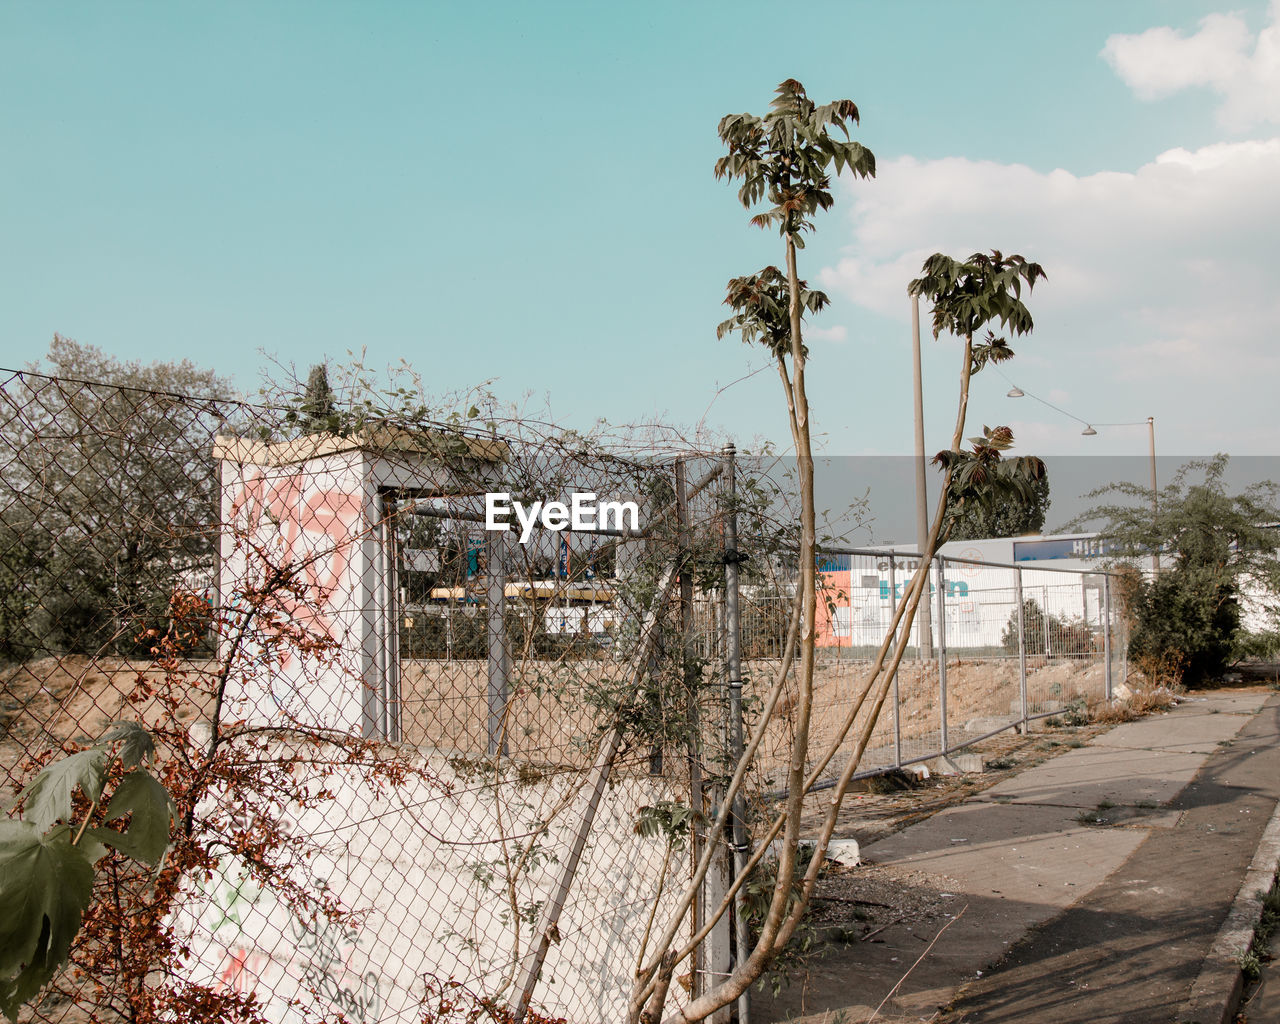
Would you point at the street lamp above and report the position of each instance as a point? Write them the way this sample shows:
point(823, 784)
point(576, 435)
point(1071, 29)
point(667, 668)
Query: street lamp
point(1017, 392)
point(1155, 504)
point(925, 630)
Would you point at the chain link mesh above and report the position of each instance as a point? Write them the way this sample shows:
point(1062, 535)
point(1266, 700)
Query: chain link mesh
point(426, 770)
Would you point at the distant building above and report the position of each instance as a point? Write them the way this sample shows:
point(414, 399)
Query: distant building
point(980, 581)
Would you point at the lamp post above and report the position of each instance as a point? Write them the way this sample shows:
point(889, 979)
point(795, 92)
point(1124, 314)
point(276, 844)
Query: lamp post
point(1017, 392)
point(1155, 507)
point(925, 646)
point(1155, 503)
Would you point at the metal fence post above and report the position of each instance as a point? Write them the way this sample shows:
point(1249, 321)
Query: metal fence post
point(392, 617)
point(1044, 624)
point(1106, 632)
point(496, 635)
point(1022, 645)
point(893, 608)
point(733, 633)
point(942, 658)
point(692, 678)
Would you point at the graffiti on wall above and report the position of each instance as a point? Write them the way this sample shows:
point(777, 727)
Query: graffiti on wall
point(324, 952)
point(308, 956)
point(307, 522)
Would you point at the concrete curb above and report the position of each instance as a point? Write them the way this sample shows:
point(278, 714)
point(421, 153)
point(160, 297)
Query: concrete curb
point(1215, 995)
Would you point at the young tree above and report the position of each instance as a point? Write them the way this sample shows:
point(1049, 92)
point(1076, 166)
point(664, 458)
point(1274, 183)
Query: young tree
point(48, 854)
point(967, 296)
point(1186, 622)
point(317, 413)
point(784, 157)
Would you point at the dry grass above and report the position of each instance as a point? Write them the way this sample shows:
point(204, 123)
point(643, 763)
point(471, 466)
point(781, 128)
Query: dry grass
point(1142, 702)
point(550, 718)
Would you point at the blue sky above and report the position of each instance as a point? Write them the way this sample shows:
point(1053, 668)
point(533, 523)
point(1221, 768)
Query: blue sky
point(524, 193)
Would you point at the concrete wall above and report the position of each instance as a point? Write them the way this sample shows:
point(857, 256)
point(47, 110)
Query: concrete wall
point(318, 518)
point(422, 868)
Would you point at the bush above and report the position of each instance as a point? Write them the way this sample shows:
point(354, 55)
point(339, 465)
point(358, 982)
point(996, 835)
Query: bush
point(1065, 636)
point(1183, 628)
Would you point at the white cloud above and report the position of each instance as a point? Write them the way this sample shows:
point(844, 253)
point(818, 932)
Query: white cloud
point(1162, 286)
point(1222, 55)
point(836, 332)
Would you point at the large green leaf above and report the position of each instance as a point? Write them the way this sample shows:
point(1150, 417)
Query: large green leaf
point(147, 836)
point(48, 797)
point(137, 745)
point(45, 886)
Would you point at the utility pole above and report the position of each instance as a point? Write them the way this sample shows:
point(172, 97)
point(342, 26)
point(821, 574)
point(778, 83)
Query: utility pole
point(925, 630)
point(1155, 507)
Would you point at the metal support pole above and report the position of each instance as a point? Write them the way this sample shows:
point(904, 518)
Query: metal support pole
point(902, 637)
point(373, 711)
point(942, 657)
point(1155, 507)
point(924, 630)
point(692, 680)
point(1022, 646)
point(496, 635)
point(1124, 655)
point(1106, 632)
point(1044, 623)
point(448, 630)
point(733, 633)
point(391, 619)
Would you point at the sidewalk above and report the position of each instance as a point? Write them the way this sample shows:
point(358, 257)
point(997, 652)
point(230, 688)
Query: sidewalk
point(1091, 887)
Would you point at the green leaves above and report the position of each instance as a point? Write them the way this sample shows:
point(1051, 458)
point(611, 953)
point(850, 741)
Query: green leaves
point(762, 309)
point(152, 810)
point(46, 869)
point(970, 294)
point(138, 746)
point(784, 157)
point(48, 798)
point(990, 350)
point(985, 479)
point(668, 818)
point(45, 887)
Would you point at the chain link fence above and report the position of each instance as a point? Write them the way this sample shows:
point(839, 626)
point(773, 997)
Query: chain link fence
point(427, 769)
point(424, 769)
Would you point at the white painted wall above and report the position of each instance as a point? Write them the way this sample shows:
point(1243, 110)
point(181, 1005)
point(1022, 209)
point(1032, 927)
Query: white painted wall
point(411, 862)
point(319, 517)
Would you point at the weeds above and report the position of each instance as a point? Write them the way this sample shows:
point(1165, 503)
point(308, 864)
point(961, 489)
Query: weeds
point(1143, 702)
point(1095, 816)
point(1267, 923)
point(893, 781)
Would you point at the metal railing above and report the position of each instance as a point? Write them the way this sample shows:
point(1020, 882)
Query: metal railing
point(1008, 644)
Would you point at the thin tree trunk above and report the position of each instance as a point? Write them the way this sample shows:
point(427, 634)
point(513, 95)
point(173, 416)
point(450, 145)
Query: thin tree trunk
point(773, 939)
